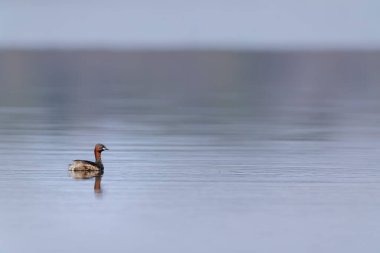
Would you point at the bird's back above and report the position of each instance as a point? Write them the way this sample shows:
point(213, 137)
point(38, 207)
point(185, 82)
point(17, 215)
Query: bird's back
point(84, 165)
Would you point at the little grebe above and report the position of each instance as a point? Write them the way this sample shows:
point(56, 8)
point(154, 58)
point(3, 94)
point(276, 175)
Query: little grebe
point(88, 165)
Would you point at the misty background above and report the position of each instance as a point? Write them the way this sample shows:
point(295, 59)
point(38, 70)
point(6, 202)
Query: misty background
point(257, 24)
point(232, 126)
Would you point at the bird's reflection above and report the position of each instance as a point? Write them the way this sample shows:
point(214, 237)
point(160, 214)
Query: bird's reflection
point(87, 175)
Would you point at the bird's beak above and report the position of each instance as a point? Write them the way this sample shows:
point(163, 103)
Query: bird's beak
point(105, 148)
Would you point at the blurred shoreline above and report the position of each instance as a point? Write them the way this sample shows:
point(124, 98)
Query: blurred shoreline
point(292, 50)
point(29, 75)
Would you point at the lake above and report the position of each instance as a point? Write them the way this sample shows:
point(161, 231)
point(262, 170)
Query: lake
point(209, 151)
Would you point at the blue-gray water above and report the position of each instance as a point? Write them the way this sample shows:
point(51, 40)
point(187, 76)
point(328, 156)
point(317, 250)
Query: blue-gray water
point(209, 151)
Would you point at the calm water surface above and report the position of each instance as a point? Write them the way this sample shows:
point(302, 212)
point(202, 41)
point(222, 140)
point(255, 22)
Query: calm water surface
point(209, 152)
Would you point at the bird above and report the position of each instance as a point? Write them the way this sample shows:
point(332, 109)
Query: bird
point(83, 165)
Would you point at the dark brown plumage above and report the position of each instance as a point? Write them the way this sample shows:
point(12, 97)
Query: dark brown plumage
point(83, 165)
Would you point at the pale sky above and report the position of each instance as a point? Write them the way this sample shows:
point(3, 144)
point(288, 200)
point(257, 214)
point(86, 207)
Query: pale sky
point(192, 23)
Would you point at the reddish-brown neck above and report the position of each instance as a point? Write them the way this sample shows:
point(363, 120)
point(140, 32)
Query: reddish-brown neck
point(98, 155)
